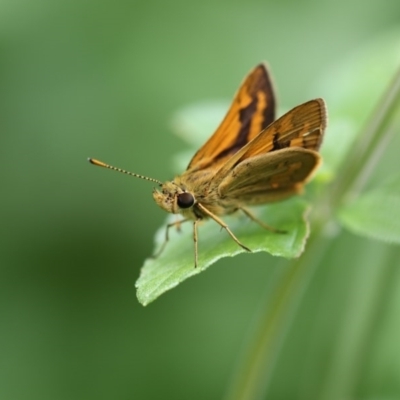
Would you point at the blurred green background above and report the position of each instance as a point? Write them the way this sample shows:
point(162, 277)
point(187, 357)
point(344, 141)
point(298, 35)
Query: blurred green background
point(103, 79)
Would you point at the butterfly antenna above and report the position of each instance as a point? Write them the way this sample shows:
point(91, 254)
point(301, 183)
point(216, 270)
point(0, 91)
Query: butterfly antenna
point(104, 165)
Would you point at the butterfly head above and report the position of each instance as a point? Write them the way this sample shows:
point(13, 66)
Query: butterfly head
point(173, 198)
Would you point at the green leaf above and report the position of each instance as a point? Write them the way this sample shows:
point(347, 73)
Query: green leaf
point(176, 263)
point(375, 214)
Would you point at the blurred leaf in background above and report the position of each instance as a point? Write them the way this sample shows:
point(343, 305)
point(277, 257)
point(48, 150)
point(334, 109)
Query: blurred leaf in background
point(103, 79)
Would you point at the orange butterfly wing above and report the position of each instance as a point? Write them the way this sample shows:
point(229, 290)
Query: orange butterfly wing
point(252, 110)
point(303, 127)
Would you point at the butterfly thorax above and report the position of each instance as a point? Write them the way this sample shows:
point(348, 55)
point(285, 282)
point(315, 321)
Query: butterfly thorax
point(182, 195)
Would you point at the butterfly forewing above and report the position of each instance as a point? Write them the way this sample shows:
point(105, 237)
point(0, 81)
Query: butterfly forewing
point(302, 127)
point(252, 110)
point(269, 177)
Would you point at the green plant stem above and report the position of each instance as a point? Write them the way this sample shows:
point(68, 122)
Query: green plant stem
point(367, 148)
point(252, 381)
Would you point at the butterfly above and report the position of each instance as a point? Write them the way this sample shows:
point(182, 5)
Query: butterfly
point(251, 159)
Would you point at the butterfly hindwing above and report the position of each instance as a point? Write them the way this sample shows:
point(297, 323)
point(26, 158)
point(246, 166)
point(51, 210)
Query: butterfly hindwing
point(269, 177)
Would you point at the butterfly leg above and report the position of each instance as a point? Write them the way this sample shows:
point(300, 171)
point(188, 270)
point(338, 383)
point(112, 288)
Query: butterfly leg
point(178, 225)
point(223, 225)
point(259, 222)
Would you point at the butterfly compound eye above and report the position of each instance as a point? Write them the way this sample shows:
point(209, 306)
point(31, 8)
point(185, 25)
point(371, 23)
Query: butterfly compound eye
point(185, 200)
